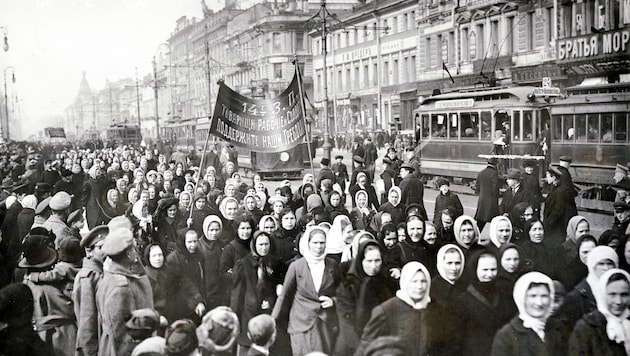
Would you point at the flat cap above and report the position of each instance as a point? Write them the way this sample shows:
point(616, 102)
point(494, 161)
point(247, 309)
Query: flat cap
point(407, 166)
point(358, 159)
point(555, 171)
point(117, 241)
point(566, 158)
point(514, 173)
point(95, 235)
point(75, 216)
point(621, 206)
point(42, 206)
point(339, 157)
point(621, 169)
point(60, 201)
point(325, 161)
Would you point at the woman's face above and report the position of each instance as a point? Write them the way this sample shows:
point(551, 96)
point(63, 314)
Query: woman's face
point(401, 234)
point(113, 196)
point(277, 207)
point(415, 230)
point(229, 191)
point(214, 229)
point(537, 301)
point(430, 236)
point(191, 242)
point(486, 269)
point(390, 240)
point(582, 229)
point(504, 231)
point(467, 233)
point(510, 260)
point(347, 236)
point(263, 245)
point(230, 210)
point(288, 221)
point(250, 203)
point(185, 200)
point(393, 198)
point(139, 176)
point(334, 200)
point(372, 261)
point(537, 233)
point(257, 179)
point(603, 266)
point(585, 249)
point(189, 188)
point(269, 226)
point(244, 231)
point(528, 214)
point(452, 265)
point(362, 200)
point(416, 288)
point(259, 187)
point(171, 211)
point(156, 257)
point(200, 203)
point(617, 297)
point(123, 185)
point(551, 180)
point(167, 185)
point(152, 192)
point(317, 244)
point(309, 179)
point(229, 169)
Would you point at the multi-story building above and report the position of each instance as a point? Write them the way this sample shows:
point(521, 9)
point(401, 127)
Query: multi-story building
point(370, 66)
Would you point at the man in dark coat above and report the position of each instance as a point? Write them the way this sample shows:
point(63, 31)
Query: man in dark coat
point(531, 186)
point(555, 217)
point(514, 194)
point(566, 180)
point(412, 189)
point(341, 172)
point(371, 154)
point(11, 245)
point(358, 167)
point(487, 188)
point(324, 172)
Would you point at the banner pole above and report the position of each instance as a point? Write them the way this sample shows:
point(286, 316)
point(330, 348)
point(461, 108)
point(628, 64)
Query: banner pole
point(203, 156)
point(308, 131)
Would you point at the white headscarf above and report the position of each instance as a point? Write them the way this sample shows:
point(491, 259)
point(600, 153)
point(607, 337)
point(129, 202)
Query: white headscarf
point(457, 226)
point(407, 273)
point(334, 242)
point(494, 224)
point(29, 202)
point(394, 189)
point(209, 220)
point(365, 210)
point(520, 291)
point(617, 327)
point(596, 255)
point(440, 261)
point(316, 264)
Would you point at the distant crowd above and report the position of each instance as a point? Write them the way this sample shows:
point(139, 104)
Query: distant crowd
point(138, 251)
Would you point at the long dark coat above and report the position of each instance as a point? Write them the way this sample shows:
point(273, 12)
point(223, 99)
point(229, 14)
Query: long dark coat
point(372, 197)
point(215, 291)
point(93, 193)
point(84, 297)
point(397, 213)
point(487, 188)
point(444, 201)
point(25, 220)
point(412, 191)
point(248, 291)
point(589, 338)
point(185, 283)
point(579, 302)
point(11, 244)
point(555, 218)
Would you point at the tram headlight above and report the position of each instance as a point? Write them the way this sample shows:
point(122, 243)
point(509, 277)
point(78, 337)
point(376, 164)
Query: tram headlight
point(284, 157)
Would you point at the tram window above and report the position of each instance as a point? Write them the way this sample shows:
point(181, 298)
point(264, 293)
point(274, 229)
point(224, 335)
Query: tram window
point(593, 127)
point(425, 126)
point(453, 126)
point(567, 127)
point(607, 125)
point(486, 125)
point(469, 126)
point(438, 125)
point(557, 128)
point(528, 124)
point(516, 133)
point(621, 127)
point(580, 128)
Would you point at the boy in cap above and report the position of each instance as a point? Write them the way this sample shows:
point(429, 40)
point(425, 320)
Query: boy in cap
point(84, 291)
point(622, 218)
point(446, 199)
point(141, 325)
point(341, 172)
point(324, 171)
point(121, 291)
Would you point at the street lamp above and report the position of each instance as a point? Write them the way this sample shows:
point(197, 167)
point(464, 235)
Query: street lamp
point(155, 92)
point(6, 97)
point(5, 33)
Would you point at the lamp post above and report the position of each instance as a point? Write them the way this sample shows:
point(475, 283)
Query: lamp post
point(6, 98)
point(5, 34)
point(155, 93)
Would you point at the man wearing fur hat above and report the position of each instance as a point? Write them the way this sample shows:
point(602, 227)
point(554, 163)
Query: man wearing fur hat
point(56, 223)
point(121, 290)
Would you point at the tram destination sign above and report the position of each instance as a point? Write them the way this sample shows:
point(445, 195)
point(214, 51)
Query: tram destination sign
point(453, 104)
point(546, 91)
point(261, 125)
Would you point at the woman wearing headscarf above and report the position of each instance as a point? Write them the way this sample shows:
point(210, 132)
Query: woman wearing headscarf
point(483, 309)
point(251, 209)
point(166, 223)
point(297, 199)
point(528, 334)
point(121, 186)
point(577, 226)
point(200, 209)
point(509, 264)
point(307, 298)
point(335, 206)
point(257, 277)
point(237, 249)
point(93, 189)
point(581, 300)
point(521, 212)
point(156, 271)
point(363, 184)
point(413, 247)
point(537, 256)
point(393, 206)
point(500, 233)
point(210, 247)
point(365, 286)
point(26, 217)
point(352, 249)
point(337, 238)
point(112, 207)
point(285, 237)
point(606, 330)
point(361, 214)
point(142, 225)
point(466, 234)
point(408, 316)
point(306, 214)
point(185, 202)
point(574, 269)
point(268, 224)
point(448, 284)
point(229, 211)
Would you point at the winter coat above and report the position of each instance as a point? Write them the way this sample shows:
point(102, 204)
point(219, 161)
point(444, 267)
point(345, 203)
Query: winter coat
point(397, 212)
point(359, 220)
point(443, 201)
point(93, 192)
point(579, 302)
point(514, 339)
point(215, 290)
point(285, 243)
point(589, 338)
point(59, 228)
point(84, 297)
point(53, 318)
point(159, 286)
point(511, 198)
point(487, 188)
point(120, 292)
point(185, 284)
point(412, 191)
point(25, 220)
point(555, 216)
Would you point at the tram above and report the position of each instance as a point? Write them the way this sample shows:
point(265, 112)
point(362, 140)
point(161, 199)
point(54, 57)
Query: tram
point(123, 135)
point(459, 128)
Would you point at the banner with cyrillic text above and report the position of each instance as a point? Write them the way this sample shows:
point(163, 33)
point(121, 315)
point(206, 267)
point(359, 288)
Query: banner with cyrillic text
point(262, 125)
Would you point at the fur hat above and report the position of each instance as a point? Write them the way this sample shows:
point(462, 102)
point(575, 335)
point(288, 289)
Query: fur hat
point(218, 330)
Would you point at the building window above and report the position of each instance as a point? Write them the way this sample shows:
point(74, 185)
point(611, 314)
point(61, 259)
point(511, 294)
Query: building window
point(427, 52)
point(277, 42)
point(405, 74)
point(356, 81)
point(339, 80)
point(412, 69)
point(472, 46)
point(385, 73)
point(481, 41)
point(394, 24)
point(375, 74)
point(395, 72)
point(439, 53)
point(465, 50)
point(494, 35)
point(366, 75)
point(406, 22)
point(509, 39)
point(277, 70)
point(348, 80)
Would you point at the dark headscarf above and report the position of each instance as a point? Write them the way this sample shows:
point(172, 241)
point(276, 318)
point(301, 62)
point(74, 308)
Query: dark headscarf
point(487, 289)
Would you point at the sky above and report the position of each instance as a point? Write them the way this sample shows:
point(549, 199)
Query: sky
point(53, 41)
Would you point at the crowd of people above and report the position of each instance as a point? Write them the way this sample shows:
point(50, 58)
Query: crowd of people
point(184, 256)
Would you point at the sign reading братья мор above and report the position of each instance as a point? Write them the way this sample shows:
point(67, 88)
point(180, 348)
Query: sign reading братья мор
point(267, 125)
